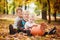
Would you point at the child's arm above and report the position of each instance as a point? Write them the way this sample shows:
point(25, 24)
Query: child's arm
point(15, 23)
point(19, 25)
point(26, 26)
point(33, 25)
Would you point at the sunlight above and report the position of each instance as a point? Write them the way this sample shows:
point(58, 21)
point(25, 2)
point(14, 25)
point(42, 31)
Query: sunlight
point(10, 1)
point(32, 7)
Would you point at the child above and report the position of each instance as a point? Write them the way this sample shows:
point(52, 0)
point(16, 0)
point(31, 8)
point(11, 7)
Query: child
point(47, 29)
point(13, 28)
point(30, 22)
point(26, 15)
point(28, 25)
point(18, 18)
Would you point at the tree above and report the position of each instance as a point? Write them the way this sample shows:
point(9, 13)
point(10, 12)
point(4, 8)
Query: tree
point(44, 9)
point(56, 8)
point(48, 1)
point(2, 6)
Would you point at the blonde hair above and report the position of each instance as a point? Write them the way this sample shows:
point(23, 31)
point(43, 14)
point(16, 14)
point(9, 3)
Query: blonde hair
point(26, 12)
point(32, 16)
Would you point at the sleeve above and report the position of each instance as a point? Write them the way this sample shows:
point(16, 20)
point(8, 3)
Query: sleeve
point(15, 24)
point(26, 26)
point(19, 24)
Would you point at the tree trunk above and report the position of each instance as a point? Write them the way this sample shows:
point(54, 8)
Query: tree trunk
point(44, 11)
point(7, 7)
point(13, 8)
point(49, 21)
point(55, 15)
point(44, 15)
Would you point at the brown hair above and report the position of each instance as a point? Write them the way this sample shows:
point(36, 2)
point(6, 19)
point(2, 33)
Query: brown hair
point(18, 9)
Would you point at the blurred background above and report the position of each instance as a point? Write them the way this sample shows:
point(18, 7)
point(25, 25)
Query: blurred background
point(44, 9)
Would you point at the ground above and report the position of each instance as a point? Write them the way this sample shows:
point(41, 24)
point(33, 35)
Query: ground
point(4, 31)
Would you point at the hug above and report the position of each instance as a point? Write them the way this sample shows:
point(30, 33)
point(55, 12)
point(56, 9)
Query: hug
point(24, 22)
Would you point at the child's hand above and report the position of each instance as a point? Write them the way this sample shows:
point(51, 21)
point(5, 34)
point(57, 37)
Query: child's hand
point(35, 24)
point(24, 29)
point(21, 28)
point(30, 29)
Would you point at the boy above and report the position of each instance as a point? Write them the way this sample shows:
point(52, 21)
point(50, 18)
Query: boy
point(18, 18)
point(14, 28)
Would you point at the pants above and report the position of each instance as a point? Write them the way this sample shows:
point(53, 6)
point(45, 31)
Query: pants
point(25, 31)
point(52, 31)
point(13, 31)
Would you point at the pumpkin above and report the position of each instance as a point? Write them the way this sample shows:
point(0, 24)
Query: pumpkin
point(43, 26)
point(36, 30)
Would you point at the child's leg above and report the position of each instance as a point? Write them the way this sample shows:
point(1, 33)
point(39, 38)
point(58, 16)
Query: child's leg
point(12, 31)
point(53, 31)
point(28, 33)
point(45, 33)
point(19, 30)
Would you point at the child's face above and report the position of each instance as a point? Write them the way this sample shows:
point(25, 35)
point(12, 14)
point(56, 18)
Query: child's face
point(26, 16)
point(31, 19)
point(19, 13)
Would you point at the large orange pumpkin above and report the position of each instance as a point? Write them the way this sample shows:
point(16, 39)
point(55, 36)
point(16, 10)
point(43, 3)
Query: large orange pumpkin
point(36, 30)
